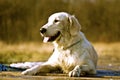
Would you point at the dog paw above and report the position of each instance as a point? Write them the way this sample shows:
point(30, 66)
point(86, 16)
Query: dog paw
point(32, 71)
point(75, 72)
point(29, 72)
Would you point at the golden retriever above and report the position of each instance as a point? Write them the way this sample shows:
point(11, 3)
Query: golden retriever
point(73, 53)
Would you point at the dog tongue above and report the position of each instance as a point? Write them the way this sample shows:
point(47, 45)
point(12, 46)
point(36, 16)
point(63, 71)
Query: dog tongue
point(45, 39)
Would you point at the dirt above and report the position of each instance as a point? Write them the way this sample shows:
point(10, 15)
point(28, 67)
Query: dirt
point(101, 74)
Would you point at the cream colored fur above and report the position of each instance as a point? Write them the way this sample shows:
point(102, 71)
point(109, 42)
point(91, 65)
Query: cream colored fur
point(73, 53)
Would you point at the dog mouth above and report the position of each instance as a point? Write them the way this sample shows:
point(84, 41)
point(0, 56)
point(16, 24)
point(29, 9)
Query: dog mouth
point(51, 38)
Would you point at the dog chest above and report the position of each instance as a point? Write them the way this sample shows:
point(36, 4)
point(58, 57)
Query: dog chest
point(66, 60)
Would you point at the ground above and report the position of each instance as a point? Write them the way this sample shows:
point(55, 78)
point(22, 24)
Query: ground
point(18, 76)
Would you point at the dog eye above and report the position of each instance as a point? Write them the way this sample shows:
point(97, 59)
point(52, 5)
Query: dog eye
point(56, 20)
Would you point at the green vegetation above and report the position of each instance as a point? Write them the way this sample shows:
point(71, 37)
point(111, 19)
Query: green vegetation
point(20, 20)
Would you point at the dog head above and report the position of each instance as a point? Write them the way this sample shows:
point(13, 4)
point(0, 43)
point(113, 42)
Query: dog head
point(60, 25)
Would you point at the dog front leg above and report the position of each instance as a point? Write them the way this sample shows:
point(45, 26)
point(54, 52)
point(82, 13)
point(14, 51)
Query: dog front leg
point(75, 72)
point(81, 71)
point(45, 68)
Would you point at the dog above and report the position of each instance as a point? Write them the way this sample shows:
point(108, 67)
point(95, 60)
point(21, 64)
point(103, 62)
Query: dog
point(73, 53)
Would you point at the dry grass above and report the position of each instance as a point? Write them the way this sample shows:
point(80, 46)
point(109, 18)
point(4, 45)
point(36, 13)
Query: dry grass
point(10, 53)
point(109, 53)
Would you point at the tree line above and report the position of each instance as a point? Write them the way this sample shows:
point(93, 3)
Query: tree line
point(20, 20)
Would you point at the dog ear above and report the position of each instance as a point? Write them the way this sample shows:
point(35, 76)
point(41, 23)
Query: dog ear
point(74, 27)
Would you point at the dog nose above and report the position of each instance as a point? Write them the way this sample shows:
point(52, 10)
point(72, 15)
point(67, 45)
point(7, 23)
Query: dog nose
point(43, 30)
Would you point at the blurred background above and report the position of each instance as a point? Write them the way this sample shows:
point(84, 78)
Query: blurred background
point(20, 21)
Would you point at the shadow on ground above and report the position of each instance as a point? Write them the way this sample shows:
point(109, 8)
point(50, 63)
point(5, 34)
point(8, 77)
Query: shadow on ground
point(101, 74)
